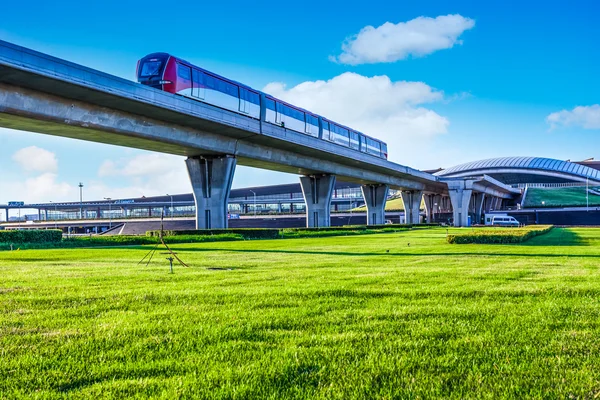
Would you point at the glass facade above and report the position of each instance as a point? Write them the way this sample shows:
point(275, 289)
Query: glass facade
point(288, 200)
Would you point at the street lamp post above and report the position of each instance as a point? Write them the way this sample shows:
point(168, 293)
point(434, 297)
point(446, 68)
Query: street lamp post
point(254, 201)
point(80, 200)
point(109, 212)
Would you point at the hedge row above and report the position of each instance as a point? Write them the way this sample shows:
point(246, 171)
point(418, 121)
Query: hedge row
point(101, 241)
point(30, 236)
point(346, 228)
point(498, 236)
point(247, 233)
point(272, 233)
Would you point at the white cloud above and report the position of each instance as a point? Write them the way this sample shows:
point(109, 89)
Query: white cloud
point(587, 117)
point(41, 188)
point(155, 174)
point(392, 42)
point(388, 110)
point(33, 158)
point(149, 174)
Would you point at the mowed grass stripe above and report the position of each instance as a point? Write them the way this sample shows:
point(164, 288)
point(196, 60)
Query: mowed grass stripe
point(401, 315)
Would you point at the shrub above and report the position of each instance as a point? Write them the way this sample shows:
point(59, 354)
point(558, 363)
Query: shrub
point(349, 228)
point(30, 236)
point(498, 235)
point(88, 241)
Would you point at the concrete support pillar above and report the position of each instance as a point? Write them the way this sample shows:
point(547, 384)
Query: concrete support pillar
point(460, 197)
point(46, 214)
point(375, 197)
point(487, 204)
point(496, 203)
point(317, 191)
point(211, 179)
point(412, 205)
point(431, 206)
point(479, 199)
point(6, 211)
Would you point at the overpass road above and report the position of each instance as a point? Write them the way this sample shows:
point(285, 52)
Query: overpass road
point(44, 94)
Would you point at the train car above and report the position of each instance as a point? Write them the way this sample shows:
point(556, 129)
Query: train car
point(174, 75)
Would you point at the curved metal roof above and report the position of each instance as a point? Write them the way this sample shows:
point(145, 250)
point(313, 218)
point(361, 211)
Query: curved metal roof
point(529, 165)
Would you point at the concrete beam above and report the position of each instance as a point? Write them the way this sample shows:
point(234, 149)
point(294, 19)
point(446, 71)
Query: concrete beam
point(211, 179)
point(317, 191)
point(412, 205)
point(375, 197)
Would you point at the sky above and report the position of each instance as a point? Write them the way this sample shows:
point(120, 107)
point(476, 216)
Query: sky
point(441, 82)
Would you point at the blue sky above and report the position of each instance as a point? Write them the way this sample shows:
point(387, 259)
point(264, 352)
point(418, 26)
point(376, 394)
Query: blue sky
point(498, 88)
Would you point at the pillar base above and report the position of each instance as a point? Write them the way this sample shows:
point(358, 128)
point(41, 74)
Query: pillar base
point(375, 198)
point(211, 179)
point(412, 206)
point(317, 191)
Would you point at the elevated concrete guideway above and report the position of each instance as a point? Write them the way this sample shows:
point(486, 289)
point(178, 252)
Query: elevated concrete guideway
point(41, 93)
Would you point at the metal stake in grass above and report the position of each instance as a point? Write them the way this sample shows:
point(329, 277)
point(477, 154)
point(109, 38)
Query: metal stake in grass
point(171, 263)
point(161, 241)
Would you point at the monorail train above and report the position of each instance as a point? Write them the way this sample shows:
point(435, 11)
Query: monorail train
point(171, 74)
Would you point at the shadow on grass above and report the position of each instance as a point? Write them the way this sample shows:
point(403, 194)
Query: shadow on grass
point(391, 255)
point(557, 237)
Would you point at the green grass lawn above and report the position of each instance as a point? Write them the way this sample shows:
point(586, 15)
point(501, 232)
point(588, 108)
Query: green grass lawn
point(560, 197)
point(337, 317)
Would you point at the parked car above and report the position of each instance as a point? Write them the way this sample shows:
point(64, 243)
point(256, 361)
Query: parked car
point(504, 220)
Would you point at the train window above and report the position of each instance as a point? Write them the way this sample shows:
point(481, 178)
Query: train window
point(312, 120)
point(340, 135)
point(363, 143)
point(151, 68)
point(228, 88)
point(326, 132)
point(198, 89)
point(210, 82)
point(291, 112)
point(270, 104)
point(339, 130)
point(354, 140)
point(184, 72)
point(373, 147)
point(384, 149)
point(250, 96)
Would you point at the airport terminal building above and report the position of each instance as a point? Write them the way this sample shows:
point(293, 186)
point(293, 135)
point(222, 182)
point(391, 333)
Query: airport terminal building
point(548, 189)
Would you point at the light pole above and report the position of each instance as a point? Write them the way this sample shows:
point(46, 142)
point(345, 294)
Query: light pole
point(80, 200)
point(109, 212)
point(171, 204)
point(254, 201)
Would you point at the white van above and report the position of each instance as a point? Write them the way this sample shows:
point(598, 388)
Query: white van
point(504, 220)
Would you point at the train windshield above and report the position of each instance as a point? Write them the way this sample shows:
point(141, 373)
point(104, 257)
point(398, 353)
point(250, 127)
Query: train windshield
point(151, 68)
